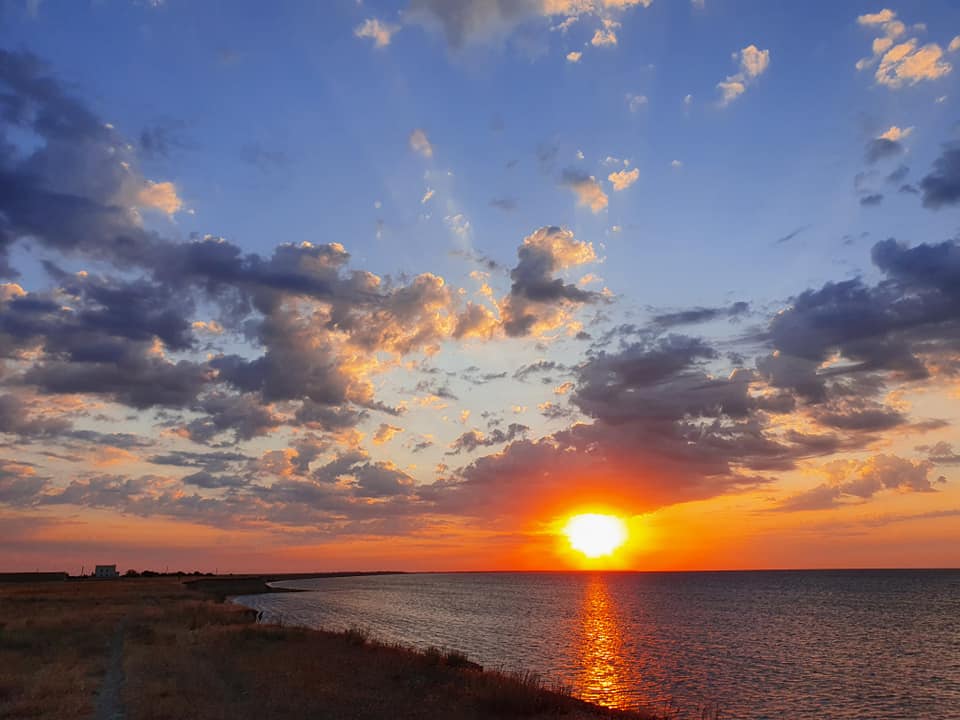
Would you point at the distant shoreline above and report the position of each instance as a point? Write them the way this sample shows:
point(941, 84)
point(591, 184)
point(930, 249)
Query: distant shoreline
point(224, 586)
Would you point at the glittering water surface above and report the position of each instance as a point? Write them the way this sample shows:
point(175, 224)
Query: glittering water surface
point(832, 644)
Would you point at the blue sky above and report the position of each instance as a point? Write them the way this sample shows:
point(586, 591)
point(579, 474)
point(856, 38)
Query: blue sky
point(288, 123)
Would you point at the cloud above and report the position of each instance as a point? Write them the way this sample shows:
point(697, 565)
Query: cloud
point(538, 300)
point(895, 134)
point(871, 200)
point(881, 18)
point(699, 315)
point(588, 191)
point(385, 433)
point(605, 36)
point(941, 453)
point(623, 179)
point(907, 64)
point(474, 439)
point(160, 196)
point(855, 481)
point(466, 22)
point(791, 235)
point(753, 63)
point(574, 56)
point(427, 196)
point(954, 44)
point(898, 326)
point(635, 102)
point(380, 32)
point(19, 483)
point(900, 64)
point(941, 186)
point(420, 144)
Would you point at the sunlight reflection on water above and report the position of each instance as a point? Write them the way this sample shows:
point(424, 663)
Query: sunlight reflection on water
point(604, 678)
point(844, 645)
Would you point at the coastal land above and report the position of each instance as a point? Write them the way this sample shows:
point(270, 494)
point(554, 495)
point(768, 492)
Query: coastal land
point(168, 647)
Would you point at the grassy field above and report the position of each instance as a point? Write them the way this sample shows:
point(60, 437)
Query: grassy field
point(183, 654)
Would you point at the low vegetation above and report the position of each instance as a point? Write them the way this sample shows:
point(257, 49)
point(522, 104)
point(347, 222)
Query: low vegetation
point(184, 654)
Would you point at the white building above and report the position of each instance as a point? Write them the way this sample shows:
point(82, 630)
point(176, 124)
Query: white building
point(106, 571)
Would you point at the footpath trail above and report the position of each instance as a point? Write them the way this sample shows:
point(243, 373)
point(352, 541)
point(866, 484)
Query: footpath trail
point(109, 703)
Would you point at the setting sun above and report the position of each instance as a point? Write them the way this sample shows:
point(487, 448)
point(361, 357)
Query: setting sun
point(596, 535)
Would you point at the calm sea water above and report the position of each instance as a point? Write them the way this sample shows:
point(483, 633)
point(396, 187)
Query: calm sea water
point(832, 644)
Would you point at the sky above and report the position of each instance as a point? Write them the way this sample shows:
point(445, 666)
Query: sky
point(405, 285)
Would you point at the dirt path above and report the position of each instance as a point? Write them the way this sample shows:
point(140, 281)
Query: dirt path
point(109, 704)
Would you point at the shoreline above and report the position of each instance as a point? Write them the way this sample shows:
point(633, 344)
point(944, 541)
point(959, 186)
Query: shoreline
point(225, 586)
point(184, 652)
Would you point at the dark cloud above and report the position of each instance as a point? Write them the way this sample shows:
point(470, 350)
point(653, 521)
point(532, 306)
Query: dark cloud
point(19, 483)
point(16, 419)
point(698, 315)
point(431, 387)
point(242, 415)
point(535, 293)
point(871, 200)
point(540, 366)
point(211, 481)
point(791, 235)
point(213, 462)
point(473, 439)
point(881, 149)
point(941, 453)
point(942, 185)
point(887, 327)
point(507, 204)
point(474, 376)
point(898, 175)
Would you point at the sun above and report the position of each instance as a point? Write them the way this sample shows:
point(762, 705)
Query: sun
point(596, 535)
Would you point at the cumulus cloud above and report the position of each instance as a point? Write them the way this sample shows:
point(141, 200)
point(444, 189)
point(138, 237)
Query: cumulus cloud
point(420, 144)
point(753, 62)
point(538, 300)
point(606, 35)
point(635, 102)
point(900, 62)
point(623, 179)
point(574, 56)
point(160, 196)
point(380, 32)
point(587, 189)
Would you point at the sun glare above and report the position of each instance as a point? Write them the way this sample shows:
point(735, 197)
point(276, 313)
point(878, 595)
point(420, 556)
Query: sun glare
point(596, 535)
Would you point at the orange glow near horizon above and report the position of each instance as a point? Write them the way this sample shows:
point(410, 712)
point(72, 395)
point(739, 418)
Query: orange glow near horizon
point(596, 535)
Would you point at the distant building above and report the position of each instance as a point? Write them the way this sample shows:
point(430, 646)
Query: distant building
point(106, 571)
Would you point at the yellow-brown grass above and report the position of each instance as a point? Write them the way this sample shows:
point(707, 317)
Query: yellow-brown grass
point(187, 656)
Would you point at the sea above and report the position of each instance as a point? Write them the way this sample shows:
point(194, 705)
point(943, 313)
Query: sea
point(864, 644)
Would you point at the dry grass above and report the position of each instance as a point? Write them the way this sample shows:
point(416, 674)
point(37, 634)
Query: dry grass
point(55, 642)
point(186, 655)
